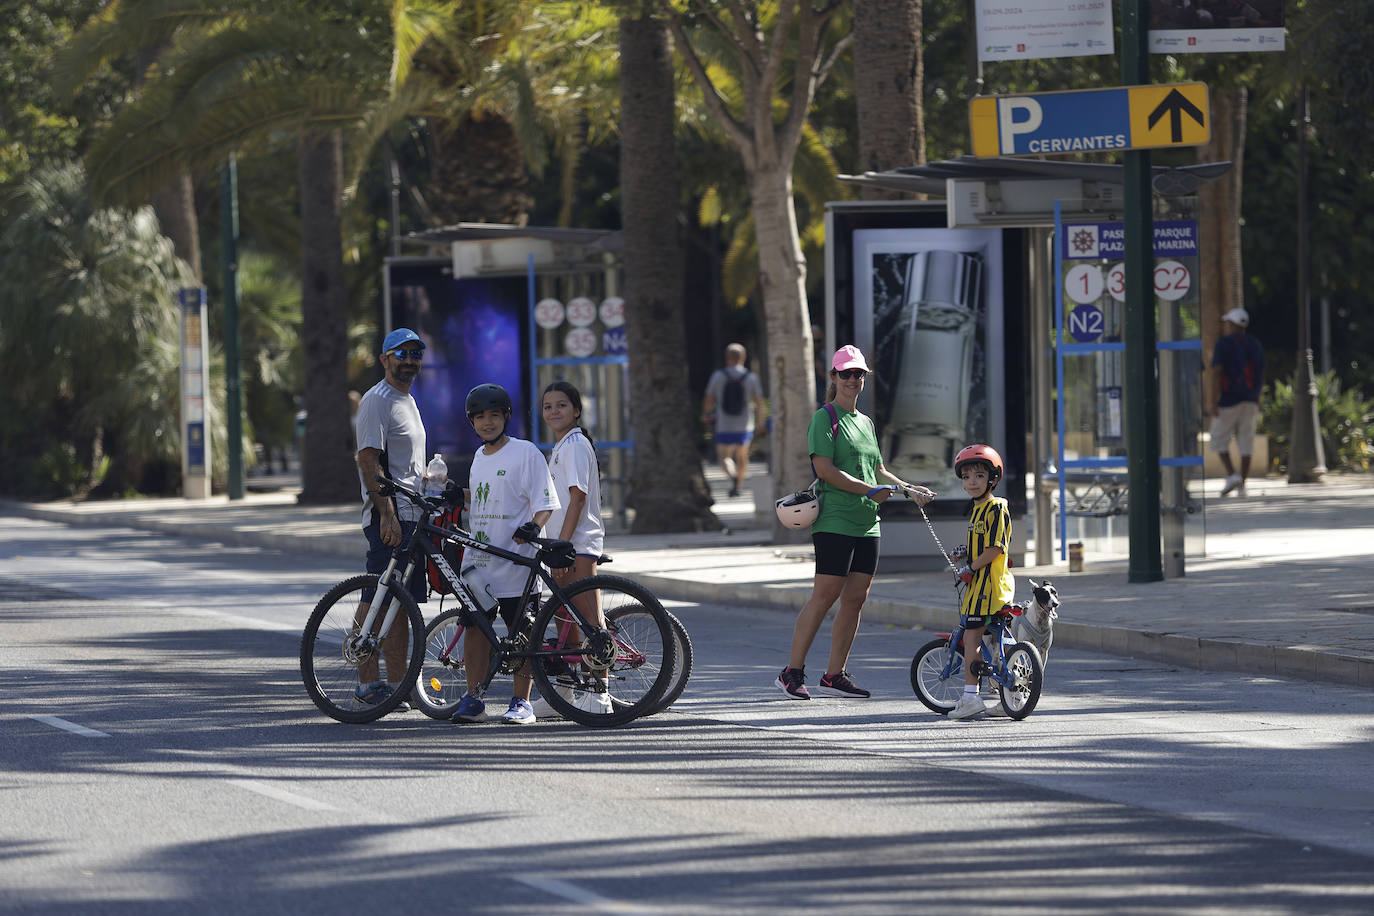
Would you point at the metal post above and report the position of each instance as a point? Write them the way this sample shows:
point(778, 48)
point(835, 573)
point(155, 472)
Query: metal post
point(229, 255)
point(1142, 360)
point(1307, 457)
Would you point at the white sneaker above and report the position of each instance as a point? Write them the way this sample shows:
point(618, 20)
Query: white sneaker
point(997, 711)
point(969, 706)
point(544, 710)
point(587, 701)
point(1233, 482)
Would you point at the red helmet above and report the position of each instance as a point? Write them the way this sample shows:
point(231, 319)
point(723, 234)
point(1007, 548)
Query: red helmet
point(984, 454)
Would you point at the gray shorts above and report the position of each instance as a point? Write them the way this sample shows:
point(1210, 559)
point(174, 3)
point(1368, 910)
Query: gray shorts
point(1237, 420)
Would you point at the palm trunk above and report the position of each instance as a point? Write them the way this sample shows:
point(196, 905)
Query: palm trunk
point(175, 206)
point(1219, 221)
point(667, 487)
point(328, 472)
point(888, 88)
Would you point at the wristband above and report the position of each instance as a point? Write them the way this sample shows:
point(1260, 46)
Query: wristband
point(875, 490)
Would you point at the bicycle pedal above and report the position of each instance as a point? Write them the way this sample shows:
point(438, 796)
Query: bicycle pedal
point(981, 669)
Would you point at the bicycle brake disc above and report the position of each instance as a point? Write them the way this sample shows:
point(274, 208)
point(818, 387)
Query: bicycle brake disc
point(601, 650)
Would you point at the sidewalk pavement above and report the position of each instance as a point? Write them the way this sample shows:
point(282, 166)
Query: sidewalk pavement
point(1286, 587)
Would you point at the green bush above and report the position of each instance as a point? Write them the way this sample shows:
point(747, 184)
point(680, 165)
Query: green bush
point(1346, 418)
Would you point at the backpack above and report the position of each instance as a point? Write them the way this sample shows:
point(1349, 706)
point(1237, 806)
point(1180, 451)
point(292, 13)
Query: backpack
point(732, 400)
point(448, 518)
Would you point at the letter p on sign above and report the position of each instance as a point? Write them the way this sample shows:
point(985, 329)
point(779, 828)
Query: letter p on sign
point(1016, 115)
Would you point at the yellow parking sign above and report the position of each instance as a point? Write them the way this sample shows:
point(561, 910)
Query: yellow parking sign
point(1173, 115)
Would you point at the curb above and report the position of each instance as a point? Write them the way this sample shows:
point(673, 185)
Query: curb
point(1192, 652)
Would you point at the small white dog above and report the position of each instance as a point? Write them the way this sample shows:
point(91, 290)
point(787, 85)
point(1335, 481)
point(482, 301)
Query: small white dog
point(1035, 625)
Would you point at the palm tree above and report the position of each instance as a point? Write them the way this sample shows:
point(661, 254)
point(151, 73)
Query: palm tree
point(888, 87)
point(667, 488)
point(89, 358)
point(246, 77)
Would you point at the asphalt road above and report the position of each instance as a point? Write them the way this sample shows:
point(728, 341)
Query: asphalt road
point(158, 754)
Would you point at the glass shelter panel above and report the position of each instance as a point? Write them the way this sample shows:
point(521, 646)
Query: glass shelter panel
point(1094, 498)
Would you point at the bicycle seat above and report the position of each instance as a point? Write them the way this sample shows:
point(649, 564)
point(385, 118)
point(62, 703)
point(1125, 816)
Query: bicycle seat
point(604, 558)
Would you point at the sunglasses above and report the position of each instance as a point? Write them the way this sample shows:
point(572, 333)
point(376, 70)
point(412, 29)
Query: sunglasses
point(416, 354)
point(851, 373)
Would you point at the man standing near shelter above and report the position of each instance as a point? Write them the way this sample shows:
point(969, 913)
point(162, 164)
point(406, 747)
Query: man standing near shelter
point(391, 438)
point(729, 395)
point(1238, 371)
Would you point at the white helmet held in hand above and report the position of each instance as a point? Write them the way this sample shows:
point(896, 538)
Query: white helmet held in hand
point(799, 510)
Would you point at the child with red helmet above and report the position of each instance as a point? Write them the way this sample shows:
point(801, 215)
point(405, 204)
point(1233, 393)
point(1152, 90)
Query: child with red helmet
point(989, 582)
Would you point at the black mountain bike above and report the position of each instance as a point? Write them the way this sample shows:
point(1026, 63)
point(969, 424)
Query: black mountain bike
point(346, 641)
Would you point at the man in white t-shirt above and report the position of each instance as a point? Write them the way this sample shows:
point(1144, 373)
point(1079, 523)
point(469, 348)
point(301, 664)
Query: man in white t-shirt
point(391, 438)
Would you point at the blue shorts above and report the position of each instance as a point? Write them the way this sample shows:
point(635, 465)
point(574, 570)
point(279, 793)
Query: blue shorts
point(741, 438)
point(379, 554)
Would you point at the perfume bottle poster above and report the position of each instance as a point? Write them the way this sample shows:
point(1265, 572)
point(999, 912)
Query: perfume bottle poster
point(928, 313)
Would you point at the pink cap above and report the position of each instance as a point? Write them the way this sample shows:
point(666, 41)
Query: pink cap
point(849, 357)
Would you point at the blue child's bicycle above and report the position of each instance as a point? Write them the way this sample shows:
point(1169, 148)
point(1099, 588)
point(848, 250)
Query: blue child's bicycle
point(1013, 668)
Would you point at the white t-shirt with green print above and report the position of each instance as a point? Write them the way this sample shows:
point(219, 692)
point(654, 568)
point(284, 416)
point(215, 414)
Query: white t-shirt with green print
point(507, 489)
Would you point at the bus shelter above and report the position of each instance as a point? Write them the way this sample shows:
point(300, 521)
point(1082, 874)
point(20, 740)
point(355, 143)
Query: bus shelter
point(1053, 320)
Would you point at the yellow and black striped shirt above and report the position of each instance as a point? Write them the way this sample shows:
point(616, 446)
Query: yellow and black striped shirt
point(992, 588)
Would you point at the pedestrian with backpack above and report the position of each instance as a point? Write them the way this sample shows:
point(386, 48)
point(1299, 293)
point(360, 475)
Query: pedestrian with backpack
point(845, 456)
point(734, 406)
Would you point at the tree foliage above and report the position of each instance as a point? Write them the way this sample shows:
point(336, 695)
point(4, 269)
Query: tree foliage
point(89, 353)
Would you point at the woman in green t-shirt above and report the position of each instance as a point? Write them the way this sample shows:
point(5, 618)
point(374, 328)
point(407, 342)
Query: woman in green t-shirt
point(845, 534)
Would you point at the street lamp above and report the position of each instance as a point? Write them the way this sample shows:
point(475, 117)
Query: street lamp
point(1306, 457)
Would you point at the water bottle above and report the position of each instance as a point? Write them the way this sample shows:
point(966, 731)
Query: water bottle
point(477, 587)
point(436, 476)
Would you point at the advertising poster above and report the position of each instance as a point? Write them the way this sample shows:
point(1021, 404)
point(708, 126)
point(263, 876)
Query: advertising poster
point(1210, 26)
point(474, 331)
point(1043, 28)
point(928, 309)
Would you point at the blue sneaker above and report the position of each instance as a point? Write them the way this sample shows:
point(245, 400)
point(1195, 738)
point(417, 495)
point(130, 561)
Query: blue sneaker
point(470, 709)
point(520, 713)
point(377, 692)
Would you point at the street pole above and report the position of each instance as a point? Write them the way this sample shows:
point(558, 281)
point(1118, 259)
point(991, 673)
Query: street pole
point(1306, 457)
point(1142, 375)
point(229, 256)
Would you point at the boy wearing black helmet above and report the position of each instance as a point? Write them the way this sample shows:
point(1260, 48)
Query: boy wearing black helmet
point(511, 496)
point(989, 585)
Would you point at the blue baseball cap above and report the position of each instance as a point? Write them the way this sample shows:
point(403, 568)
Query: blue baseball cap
point(400, 337)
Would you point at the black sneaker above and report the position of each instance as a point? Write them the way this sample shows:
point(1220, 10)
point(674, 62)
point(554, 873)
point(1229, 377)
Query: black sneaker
point(792, 681)
point(841, 684)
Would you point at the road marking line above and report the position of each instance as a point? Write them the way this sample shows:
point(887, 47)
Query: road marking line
point(291, 798)
point(580, 895)
point(72, 727)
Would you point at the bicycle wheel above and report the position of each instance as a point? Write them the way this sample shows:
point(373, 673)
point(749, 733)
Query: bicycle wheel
point(640, 652)
point(938, 690)
point(338, 663)
point(1026, 676)
point(682, 646)
point(443, 675)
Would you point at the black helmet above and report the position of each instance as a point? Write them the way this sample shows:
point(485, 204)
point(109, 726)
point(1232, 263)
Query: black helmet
point(487, 397)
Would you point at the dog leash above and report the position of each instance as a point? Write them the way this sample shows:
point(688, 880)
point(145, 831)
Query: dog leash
point(944, 553)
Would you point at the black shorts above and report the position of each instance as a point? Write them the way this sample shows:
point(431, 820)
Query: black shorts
point(509, 609)
point(842, 554)
point(378, 555)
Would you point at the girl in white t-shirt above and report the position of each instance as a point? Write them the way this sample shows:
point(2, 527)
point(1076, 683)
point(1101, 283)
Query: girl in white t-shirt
point(577, 481)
